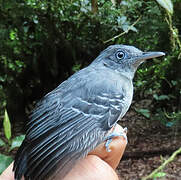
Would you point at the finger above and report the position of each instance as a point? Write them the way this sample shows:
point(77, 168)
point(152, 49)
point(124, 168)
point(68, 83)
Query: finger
point(91, 168)
point(117, 148)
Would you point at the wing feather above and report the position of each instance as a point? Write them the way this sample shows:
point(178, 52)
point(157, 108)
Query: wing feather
point(60, 154)
point(62, 149)
point(59, 141)
point(68, 123)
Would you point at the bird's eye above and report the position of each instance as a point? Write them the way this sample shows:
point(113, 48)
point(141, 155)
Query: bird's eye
point(120, 55)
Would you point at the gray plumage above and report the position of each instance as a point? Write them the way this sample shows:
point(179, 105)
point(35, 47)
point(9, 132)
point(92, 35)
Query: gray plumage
point(76, 117)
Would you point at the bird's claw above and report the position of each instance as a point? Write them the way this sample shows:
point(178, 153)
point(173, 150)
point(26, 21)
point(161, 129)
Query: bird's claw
point(115, 134)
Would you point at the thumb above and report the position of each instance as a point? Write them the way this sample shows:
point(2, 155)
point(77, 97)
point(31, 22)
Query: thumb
point(117, 147)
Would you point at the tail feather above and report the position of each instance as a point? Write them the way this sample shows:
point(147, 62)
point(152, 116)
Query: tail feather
point(58, 155)
point(20, 162)
point(62, 162)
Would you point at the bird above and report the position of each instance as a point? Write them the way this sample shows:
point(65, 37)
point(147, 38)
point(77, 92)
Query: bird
point(77, 116)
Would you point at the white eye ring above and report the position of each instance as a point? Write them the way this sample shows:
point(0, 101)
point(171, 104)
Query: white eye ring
point(120, 55)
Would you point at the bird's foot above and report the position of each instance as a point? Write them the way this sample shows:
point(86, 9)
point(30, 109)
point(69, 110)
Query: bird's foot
point(115, 134)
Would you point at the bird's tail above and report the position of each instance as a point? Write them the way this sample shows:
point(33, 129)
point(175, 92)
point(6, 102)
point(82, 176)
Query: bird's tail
point(20, 163)
point(54, 158)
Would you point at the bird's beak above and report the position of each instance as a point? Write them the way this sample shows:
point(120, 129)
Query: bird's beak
point(146, 55)
point(150, 55)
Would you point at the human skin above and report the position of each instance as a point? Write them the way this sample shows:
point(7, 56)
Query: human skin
point(99, 164)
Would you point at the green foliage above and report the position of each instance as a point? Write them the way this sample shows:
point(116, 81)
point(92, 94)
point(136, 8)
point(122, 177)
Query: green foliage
point(17, 141)
point(76, 67)
point(144, 112)
point(167, 4)
point(12, 143)
point(168, 119)
point(159, 171)
point(159, 175)
point(161, 97)
point(7, 126)
point(164, 83)
point(2, 143)
point(5, 161)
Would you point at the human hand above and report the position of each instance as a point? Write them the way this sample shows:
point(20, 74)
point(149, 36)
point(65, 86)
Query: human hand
point(99, 164)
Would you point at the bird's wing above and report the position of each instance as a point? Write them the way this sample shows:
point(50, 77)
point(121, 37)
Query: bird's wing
point(64, 128)
point(65, 136)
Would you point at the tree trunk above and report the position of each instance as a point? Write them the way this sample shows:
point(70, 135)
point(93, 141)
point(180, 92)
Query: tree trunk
point(94, 6)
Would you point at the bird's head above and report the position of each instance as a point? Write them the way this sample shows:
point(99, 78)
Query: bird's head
point(124, 59)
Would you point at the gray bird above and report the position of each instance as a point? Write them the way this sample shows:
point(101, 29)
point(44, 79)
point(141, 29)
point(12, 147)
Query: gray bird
point(77, 116)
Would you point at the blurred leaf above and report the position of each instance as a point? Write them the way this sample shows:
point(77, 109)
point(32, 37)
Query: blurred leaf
point(2, 143)
point(133, 29)
point(174, 83)
point(169, 124)
point(155, 96)
point(19, 63)
point(125, 27)
point(159, 174)
point(17, 141)
point(26, 28)
point(122, 19)
point(144, 112)
point(167, 4)
point(164, 97)
point(7, 126)
point(76, 67)
point(5, 161)
point(161, 97)
point(12, 35)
